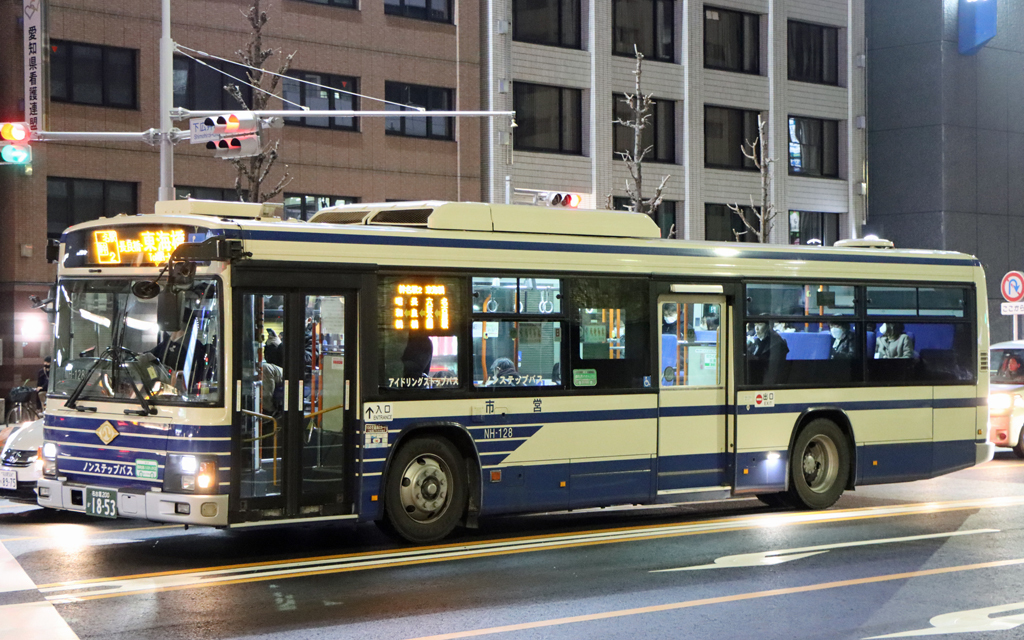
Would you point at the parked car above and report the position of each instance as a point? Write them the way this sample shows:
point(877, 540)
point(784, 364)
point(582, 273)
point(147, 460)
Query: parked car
point(21, 464)
point(1006, 395)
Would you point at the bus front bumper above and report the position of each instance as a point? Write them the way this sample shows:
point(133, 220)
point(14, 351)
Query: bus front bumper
point(984, 452)
point(178, 508)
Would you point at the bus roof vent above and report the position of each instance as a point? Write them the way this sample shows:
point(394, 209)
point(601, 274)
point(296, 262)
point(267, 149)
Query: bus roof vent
point(403, 217)
point(865, 243)
point(340, 216)
point(220, 209)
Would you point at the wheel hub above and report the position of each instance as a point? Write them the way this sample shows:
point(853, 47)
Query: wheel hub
point(424, 492)
point(820, 463)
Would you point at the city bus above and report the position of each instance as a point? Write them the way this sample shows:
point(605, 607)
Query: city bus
point(425, 364)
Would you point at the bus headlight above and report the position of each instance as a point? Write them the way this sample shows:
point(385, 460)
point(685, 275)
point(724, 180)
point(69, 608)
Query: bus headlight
point(999, 402)
point(50, 451)
point(190, 474)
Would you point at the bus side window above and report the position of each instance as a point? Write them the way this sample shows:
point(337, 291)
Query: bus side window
point(611, 331)
point(419, 324)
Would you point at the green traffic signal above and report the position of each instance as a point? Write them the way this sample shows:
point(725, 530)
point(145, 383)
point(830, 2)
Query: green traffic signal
point(16, 154)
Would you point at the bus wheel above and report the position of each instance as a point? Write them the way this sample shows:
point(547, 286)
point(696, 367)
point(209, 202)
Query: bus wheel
point(1018, 448)
point(819, 466)
point(425, 495)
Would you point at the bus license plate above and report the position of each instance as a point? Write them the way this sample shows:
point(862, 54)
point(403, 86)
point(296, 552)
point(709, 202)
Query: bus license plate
point(8, 479)
point(101, 502)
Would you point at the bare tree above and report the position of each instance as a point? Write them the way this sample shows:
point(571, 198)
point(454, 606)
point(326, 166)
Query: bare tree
point(640, 116)
point(757, 152)
point(254, 170)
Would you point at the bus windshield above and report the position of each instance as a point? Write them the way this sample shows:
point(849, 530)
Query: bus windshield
point(108, 341)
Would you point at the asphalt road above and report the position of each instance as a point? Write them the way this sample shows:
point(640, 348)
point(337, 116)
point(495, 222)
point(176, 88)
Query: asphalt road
point(916, 559)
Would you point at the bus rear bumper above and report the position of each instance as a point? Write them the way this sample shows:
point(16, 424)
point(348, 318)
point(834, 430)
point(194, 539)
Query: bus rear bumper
point(177, 508)
point(984, 452)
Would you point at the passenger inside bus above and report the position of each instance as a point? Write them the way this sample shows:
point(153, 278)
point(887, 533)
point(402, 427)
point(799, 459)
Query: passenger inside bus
point(503, 373)
point(842, 341)
point(419, 351)
point(892, 342)
point(766, 355)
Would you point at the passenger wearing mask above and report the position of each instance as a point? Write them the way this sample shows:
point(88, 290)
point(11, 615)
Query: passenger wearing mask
point(842, 341)
point(892, 342)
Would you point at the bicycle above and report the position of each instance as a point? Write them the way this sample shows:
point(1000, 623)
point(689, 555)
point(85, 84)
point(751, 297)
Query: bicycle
point(22, 405)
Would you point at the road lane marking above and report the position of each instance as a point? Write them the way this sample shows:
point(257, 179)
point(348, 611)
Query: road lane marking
point(768, 558)
point(93, 532)
point(970, 621)
point(89, 589)
point(27, 619)
point(672, 606)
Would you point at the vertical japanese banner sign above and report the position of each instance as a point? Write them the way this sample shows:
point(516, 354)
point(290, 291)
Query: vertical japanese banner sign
point(33, 29)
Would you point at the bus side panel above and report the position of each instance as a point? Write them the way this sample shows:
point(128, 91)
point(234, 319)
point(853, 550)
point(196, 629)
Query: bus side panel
point(551, 453)
point(955, 428)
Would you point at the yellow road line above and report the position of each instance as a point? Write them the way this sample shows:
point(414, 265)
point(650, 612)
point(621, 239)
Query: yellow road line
point(656, 532)
point(622, 613)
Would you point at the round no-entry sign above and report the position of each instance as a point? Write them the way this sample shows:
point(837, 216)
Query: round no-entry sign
point(1012, 286)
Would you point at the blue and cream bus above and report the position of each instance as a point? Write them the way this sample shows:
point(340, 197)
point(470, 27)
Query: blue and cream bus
point(425, 364)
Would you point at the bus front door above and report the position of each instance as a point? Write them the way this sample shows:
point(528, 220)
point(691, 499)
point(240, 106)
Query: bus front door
point(692, 436)
point(295, 386)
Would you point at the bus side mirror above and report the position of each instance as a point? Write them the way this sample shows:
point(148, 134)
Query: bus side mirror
point(168, 310)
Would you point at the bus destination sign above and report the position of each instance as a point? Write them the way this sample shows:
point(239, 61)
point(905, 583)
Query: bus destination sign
point(421, 307)
point(134, 246)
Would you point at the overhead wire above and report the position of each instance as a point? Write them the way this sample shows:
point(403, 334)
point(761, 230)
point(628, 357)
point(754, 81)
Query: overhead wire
point(182, 48)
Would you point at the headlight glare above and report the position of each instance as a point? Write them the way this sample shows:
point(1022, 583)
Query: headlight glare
point(49, 450)
point(188, 464)
point(999, 401)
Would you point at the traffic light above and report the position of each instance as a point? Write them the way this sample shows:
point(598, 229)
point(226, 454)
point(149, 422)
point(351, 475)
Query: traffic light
point(14, 136)
point(571, 200)
point(239, 135)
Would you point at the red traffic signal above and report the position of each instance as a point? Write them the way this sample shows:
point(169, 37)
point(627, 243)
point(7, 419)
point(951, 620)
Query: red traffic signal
point(571, 200)
point(14, 131)
point(239, 135)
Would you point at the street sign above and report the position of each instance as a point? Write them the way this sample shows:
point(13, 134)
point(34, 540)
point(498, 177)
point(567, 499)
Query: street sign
point(201, 132)
point(1012, 286)
point(1012, 308)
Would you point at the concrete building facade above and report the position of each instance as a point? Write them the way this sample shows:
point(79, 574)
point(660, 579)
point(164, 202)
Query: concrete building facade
point(756, 76)
point(947, 136)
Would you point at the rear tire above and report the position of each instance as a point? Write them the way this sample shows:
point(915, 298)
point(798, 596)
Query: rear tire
point(425, 493)
point(1018, 449)
point(819, 465)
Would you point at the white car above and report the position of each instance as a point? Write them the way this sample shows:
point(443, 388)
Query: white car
point(1006, 395)
point(21, 466)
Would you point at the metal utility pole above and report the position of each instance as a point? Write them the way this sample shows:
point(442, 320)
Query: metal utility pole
point(166, 191)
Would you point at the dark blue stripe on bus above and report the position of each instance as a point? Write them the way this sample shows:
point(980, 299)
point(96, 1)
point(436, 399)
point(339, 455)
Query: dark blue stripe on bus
point(868, 405)
point(86, 422)
point(509, 243)
point(709, 410)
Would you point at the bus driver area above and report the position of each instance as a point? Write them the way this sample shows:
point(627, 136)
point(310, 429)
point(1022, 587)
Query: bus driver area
point(425, 364)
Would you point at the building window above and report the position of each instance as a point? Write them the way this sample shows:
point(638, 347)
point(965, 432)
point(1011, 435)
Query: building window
point(813, 227)
point(726, 133)
point(72, 200)
point(551, 22)
point(732, 40)
point(648, 24)
point(302, 88)
point(721, 224)
point(303, 206)
point(433, 10)
point(432, 98)
point(813, 53)
point(200, 88)
point(664, 216)
point(549, 118)
point(659, 134)
point(813, 147)
point(227, 194)
point(91, 74)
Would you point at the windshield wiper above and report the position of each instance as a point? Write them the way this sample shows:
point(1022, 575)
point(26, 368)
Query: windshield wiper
point(73, 398)
point(144, 399)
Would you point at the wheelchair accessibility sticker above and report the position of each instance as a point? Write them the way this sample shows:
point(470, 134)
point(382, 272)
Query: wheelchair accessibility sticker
point(376, 436)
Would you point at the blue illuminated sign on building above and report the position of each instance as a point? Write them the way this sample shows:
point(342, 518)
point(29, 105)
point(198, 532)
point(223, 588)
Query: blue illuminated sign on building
point(977, 24)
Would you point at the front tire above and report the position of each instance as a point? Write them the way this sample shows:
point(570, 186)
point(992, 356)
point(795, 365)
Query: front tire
point(425, 492)
point(820, 465)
